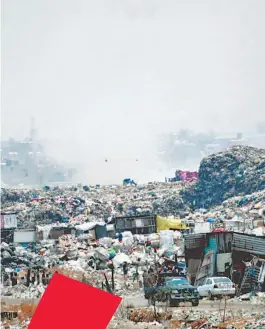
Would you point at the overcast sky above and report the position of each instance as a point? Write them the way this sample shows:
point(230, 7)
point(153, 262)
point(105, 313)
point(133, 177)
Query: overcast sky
point(107, 75)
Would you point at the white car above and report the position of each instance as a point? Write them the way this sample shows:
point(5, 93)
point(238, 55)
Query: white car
point(217, 287)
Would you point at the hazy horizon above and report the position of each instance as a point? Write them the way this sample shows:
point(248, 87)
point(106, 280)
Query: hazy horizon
point(103, 78)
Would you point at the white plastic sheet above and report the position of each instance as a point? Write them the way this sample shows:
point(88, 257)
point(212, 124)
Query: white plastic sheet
point(166, 239)
point(119, 259)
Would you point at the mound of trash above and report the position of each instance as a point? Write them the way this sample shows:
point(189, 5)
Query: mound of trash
point(237, 171)
point(170, 204)
point(11, 196)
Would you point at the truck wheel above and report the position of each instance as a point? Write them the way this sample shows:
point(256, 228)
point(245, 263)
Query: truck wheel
point(174, 304)
point(195, 303)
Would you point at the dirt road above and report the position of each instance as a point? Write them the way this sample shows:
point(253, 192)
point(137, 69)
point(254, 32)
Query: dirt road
point(205, 305)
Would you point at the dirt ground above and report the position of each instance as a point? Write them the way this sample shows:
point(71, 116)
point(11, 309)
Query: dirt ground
point(208, 309)
point(205, 305)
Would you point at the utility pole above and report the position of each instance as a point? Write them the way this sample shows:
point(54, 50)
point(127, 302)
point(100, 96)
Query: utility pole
point(33, 140)
point(33, 131)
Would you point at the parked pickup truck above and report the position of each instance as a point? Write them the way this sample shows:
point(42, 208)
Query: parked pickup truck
point(173, 291)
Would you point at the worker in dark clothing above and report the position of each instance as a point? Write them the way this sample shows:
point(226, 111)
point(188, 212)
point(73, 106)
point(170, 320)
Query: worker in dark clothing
point(28, 277)
point(14, 279)
point(125, 270)
point(111, 267)
point(6, 277)
point(136, 274)
point(120, 237)
point(38, 277)
point(148, 284)
point(228, 270)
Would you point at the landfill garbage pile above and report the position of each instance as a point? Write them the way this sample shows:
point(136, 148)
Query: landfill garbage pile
point(42, 207)
point(242, 209)
point(34, 214)
point(171, 204)
point(23, 292)
point(32, 266)
point(237, 171)
point(19, 257)
point(10, 196)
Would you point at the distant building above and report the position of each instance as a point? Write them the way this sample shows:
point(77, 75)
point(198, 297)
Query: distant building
point(24, 162)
